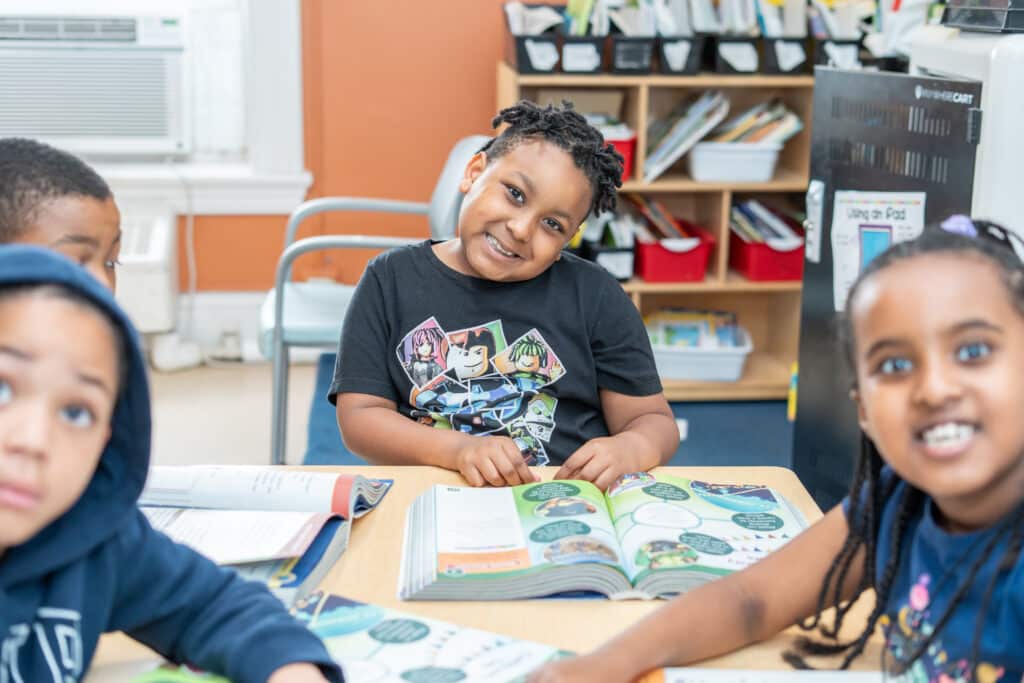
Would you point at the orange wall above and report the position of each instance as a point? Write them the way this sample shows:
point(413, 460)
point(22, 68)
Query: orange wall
point(386, 94)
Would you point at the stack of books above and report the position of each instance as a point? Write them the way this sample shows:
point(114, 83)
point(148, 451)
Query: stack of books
point(754, 223)
point(670, 137)
point(768, 122)
point(692, 328)
point(657, 222)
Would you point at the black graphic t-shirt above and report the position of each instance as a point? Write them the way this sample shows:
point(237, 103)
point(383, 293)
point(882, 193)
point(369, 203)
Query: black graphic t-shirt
point(520, 359)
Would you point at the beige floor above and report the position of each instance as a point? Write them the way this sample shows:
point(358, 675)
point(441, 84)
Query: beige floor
point(221, 415)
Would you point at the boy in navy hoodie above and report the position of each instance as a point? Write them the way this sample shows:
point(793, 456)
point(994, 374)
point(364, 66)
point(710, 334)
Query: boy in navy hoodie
point(77, 558)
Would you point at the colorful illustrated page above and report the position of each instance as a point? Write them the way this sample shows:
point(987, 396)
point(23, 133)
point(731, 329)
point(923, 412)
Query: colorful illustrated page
point(512, 529)
point(378, 645)
point(674, 523)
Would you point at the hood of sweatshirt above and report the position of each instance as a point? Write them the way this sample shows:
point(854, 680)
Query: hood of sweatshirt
point(110, 498)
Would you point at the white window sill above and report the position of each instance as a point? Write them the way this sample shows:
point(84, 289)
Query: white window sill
point(207, 188)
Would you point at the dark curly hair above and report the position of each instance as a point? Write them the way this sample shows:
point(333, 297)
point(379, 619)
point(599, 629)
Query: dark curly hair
point(870, 491)
point(32, 173)
point(565, 127)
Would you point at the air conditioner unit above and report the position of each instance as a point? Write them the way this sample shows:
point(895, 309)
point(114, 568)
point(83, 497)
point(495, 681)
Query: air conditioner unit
point(147, 279)
point(99, 86)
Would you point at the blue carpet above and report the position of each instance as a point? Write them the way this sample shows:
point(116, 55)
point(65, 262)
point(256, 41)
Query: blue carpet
point(719, 433)
point(323, 441)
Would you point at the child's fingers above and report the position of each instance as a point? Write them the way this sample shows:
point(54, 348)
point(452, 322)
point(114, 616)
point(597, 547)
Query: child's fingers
point(508, 467)
point(594, 468)
point(472, 476)
point(576, 461)
point(606, 478)
point(523, 472)
point(490, 472)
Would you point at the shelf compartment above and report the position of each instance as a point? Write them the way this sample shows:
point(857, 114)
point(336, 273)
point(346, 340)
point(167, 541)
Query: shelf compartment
point(765, 376)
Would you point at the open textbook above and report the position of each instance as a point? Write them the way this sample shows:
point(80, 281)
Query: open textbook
point(380, 645)
point(283, 527)
point(650, 535)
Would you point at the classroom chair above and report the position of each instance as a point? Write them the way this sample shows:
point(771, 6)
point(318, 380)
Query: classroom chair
point(311, 313)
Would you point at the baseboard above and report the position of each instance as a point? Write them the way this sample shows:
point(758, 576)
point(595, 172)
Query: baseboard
point(207, 317)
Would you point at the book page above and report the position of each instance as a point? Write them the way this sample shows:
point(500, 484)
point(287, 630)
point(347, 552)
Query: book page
point(386, 646)
point(512, 529)
point(247, 488)
point(667, 522)
point(239, 536)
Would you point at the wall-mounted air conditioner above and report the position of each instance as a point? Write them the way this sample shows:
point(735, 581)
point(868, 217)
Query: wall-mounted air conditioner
point(99, 86)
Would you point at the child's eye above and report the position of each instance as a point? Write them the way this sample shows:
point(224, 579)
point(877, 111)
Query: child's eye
point(973, 352)
point(111, 264)
point(893, 366)
point(78, 415)
point(6, 392)
point(515, 193)
point(554, 225)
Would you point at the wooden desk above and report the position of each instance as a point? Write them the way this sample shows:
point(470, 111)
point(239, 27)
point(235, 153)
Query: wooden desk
point(368, 571)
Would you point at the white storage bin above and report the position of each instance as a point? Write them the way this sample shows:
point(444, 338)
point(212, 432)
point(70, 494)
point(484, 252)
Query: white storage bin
point(733, 162)
point(710, 365)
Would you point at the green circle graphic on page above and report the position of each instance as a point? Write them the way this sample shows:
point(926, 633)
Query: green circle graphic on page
point(399, 631)
point(433, 674)
point(556, 530)
point(666, 491)
point(549, 490)
point(758, 521)
point(709, 545)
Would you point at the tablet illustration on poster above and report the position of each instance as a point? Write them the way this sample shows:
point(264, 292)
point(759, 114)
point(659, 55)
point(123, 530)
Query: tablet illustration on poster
point(864, 224)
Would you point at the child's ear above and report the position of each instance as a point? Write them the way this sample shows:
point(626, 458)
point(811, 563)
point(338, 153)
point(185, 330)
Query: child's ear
point(473, 170)
point(862, 418)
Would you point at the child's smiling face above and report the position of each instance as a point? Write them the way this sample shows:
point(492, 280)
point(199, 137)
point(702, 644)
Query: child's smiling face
point(85, 229)
point(58, 382)
point(520, 210)
point(939, 350)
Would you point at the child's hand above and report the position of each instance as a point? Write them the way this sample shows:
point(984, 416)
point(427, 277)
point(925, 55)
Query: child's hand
point(493, 460)
point(602, 461)
point(300, 672)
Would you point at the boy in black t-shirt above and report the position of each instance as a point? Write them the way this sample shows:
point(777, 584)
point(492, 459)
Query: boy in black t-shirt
point(500, 333)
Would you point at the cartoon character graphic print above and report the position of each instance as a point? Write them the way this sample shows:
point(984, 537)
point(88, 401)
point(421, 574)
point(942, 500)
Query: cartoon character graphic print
point(910, 626)
point(473, 381)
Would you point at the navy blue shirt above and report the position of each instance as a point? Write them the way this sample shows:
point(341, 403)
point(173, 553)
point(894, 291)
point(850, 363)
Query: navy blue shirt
point(933, 563)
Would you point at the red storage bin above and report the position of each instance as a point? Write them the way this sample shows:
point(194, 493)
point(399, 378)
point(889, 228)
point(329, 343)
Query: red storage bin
point(663, 262)
point(627, 148)
point(762, 262)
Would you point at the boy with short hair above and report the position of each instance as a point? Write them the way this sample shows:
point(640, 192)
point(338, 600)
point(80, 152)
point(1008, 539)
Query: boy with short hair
point(54, 199)
point(500, 333)
point(77, 557)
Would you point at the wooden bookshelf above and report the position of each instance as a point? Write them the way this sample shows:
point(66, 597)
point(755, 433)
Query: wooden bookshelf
point(769, 311)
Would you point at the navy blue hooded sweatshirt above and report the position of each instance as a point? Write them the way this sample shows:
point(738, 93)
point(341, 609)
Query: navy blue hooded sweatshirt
point(101, 567)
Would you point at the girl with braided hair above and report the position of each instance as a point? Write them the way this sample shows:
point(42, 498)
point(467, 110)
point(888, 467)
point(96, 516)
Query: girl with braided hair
point(930, 534)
